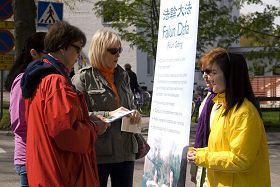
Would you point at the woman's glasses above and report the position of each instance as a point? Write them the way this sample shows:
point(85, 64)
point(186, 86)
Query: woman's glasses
point(78, 48)
point(114, 51)
point(206, 71)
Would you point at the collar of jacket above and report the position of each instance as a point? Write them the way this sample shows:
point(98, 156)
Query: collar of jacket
point(220, 99)
point(37, 70)
point(118, 76)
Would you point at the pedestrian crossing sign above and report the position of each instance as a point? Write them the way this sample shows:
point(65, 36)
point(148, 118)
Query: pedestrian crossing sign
point(48, 13)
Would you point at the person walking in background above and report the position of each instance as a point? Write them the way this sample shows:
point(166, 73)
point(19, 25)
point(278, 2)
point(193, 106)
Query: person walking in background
point(206, 114)
point(60, 136)
point(237, 152)
point(33, 49)
point(106, 86)
point(132, 78)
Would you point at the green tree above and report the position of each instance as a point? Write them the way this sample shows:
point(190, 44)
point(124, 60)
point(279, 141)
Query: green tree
point(137, 23)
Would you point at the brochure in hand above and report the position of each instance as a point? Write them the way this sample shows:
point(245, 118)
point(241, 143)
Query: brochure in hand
point(128, 127)
point(117, 115)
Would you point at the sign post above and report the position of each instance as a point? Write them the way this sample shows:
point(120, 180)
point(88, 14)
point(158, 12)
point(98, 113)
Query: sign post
point(170, 117)
point(6, 41)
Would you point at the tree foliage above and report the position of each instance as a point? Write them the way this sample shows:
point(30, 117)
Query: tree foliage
point(137, 22)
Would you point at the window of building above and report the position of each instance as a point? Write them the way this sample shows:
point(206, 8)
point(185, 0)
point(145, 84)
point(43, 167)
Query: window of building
point(150, 66)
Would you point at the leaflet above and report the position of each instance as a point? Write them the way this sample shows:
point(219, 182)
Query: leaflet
point(117, 115)
point(128, 127)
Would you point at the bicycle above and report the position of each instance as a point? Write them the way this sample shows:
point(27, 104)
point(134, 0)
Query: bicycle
point(142, 100)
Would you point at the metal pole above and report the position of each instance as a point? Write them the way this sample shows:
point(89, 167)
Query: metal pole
point(1, 102)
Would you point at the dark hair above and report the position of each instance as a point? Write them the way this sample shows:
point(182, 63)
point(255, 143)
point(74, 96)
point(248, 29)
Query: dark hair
point(127, 67)
point(35, 41)
point(238, 86)
point(61, 35)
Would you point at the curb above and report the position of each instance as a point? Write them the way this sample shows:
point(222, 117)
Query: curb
point(6, 133)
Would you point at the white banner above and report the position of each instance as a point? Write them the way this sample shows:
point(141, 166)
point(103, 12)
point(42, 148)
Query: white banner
point(170, 118)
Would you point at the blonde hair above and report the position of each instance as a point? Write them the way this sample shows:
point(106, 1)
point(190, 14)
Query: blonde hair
point(100, 41)
point(209, 57)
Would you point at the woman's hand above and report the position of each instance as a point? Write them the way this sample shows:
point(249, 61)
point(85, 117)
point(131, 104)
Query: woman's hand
point(191, 155)
point(99, 122)
point(102, 128)
point(135, 117)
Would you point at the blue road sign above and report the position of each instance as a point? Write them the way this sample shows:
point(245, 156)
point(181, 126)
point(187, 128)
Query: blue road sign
point(49, 13)
point(6, 41)
point(6, 9)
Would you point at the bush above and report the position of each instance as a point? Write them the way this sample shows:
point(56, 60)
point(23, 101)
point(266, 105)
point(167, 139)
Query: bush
point(5, 121)
point(271, 120)
point(145, 111)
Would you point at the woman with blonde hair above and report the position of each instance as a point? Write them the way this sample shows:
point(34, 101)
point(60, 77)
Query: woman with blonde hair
point(106, 87)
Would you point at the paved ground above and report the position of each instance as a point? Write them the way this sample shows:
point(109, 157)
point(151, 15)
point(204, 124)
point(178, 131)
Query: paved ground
point(8, 178)
point(274, 158)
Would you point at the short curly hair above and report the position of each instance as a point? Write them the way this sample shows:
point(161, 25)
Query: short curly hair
point(61, 35)
point(210, 56)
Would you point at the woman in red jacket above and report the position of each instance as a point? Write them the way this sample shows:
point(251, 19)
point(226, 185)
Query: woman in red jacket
point(60, 135)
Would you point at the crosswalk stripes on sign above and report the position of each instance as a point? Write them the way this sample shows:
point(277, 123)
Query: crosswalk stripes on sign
point(49, 13)
point(49, 16)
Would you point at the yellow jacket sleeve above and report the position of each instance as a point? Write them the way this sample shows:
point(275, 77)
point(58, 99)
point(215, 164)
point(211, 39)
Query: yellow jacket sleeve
point(233, 144)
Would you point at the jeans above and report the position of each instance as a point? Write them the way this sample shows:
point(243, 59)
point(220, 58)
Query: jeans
point(21, 171)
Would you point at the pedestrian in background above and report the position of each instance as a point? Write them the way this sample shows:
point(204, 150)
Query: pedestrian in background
point(60, 137)
point(132, 79)
point(33, 49)
point(237, 152)
point(106, 85)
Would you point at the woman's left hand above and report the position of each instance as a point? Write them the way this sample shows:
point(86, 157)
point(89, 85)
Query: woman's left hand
point(191, 155)
point(100, 123)
point(135, 117)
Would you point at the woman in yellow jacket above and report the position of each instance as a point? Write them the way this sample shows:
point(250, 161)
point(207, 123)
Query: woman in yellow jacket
point(237, 152)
